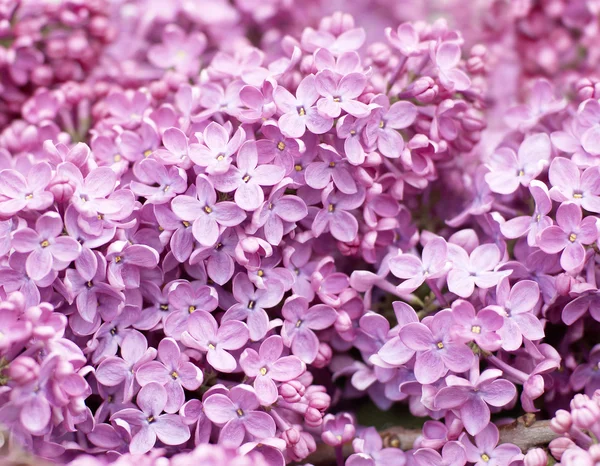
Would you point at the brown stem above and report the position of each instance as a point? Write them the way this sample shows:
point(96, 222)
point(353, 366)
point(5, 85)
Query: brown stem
point(525, 432)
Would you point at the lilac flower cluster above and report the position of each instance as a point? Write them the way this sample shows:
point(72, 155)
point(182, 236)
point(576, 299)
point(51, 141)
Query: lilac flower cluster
point(216, 229)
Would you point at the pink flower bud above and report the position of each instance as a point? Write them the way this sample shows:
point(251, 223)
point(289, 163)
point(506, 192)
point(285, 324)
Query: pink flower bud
point(23, 370)
point(343, 322)
point(536, 457)
point(62, 189)
point(320, 401)
point(587, 88)
point(561, 423)
point(291, 436)
point(423, 89)
point(559, 446)
point(313, 417)
point(292, 391)
point(323, 356)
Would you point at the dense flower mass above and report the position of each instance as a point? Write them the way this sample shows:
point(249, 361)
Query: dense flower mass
point(229, 229)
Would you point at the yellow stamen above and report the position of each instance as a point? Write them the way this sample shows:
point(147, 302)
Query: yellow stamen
point(382, 124)
point(331, 208)
point(29, 196)
point(191, 309)
point(45, 243)
point(251, 304)
point(166, 188)
point(332, 164)
point(298, 167)
point(440, 345)
point(521, 173)
point(117, 157)
point(260, 273)
point(174, 375)
point(246, 178)
point(298, 324)
point(220, 157)
point(476, 329)
point(118, 259)
point(263, 371)
point(164, 307)
point(207, 209)
point(211, 346)
point(485, 457)
point(185, 224)
point(150, 419)
point(337, 99)
point(352, 132)
point(577, 195)
point(572, 237)
point(301, 111)
point(147, 153)
point(240, 412)
point(280, 145)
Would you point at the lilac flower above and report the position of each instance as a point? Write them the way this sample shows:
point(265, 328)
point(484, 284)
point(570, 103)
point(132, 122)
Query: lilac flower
point(437, 351)
point(150, 173)
point(217, 148)
point(237, 412)
point(405, 39)
point(251, 305)
point(335, 216)
point(341, 94)
point(178, 51)
point(127, 108)
point(350, 130)
point(177, 150)
point(185, 299)
point(134, 354)
point(150, 423)
point(569, 185)
point(248, 178)
point(18, 193)
point(300, 323)
point(381, 131)
point(509, 170)
point(415, 271)
point(330, 167)
point(205, 213)
point(370, 452)
point(542, 102)
point(587, 376)
point(300, 112)
point(338, 429)
point(476, 269)
point(486, 451)
point(588, 301)
point(481, 327)
point(276, 147)
point(267, 367)
point(47, 249)
point(347, 41)
point(471, 398)
point(453, 454)
point(173, 371)
point(278, 213)
point(447, 58)
point(181, 238)
point(569, 236)
point(515, 305)
point(205, 335)
point(125, 262)
point(539, 220)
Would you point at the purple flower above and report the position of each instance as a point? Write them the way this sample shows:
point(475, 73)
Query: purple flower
point(251, 305)
point(437, 351)
point(569, 185)
point(453, 454)
point(350, 130)
point(238, 414)
point(381, 131)
point(267, 367)
point(587, 376)
point(150, 423)
point(248, 178)
point(173, 371)
point(340, 93)
point(471, 398)
point(447, 58)
point(509, 170)
point(476, 269)
point(486, 451)
point(539, 220)
point(150, 173)
point(205, 335)
point(47, 249)
point(588, 301)
point(125, 262)
point(178, 51)
point(370, 452)
point(335, 216)
point(338, 429)
point(415, 271)
point(300, 323)
point(330, 167)
point(516, 305)
point(569, 236)
point(278, 213)
point(185, 299)
point(206, 214)
point(18, 193)
point(134, 354)
point(177, 150)
point(217, 148)
point(300, 112)
point(481, 327)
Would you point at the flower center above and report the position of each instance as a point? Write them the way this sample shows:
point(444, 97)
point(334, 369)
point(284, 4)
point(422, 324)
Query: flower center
point(260, 273)
point(299, 323)
point(164, 307)
point(330, 208)
point(520, 172)
point(45, 243)
point(117, 157)
point(218, 246)
point(89, 284)
point(147, 153)
point(166, 188)
point(239, 412)
point(185, 224)
point(577, 195)
point(352, 132)
point(118, 259)
point(280, 145)
point(174, 375)
point(246, 178)
point(29, 196)
point(572, 237)
point(485, 457)
point(263, 371)
point(220, 157)
point(332, 164)
point(476, 329)
point(251, 304)
point(207, 209)
point(211, 346)
point(298, 167)
point(150, 419)
point(337, 99)
point(382, 124)
point(440, 345)
point(301, 111)
point(191, 309)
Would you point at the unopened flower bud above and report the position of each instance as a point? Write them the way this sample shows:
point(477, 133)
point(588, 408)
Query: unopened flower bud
point(323, 356)
point(559, 445)
point(23, 370)
point(536, 457)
